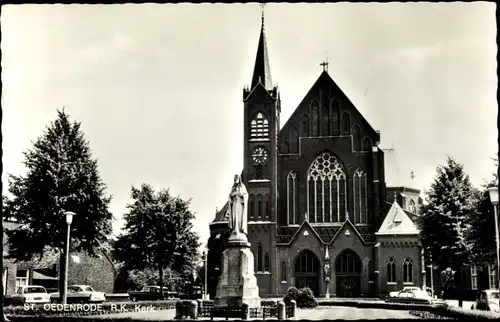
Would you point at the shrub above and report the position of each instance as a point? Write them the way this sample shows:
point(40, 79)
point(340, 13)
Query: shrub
point(291, 294)
point(305, 298)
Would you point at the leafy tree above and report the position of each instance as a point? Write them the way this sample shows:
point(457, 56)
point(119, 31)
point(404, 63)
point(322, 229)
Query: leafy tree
point(158, 233)
point(481, 234)
point(452, 200)
point(61, 176)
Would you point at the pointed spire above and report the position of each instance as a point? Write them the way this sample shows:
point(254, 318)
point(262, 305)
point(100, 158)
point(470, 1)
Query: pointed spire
point(262, 69)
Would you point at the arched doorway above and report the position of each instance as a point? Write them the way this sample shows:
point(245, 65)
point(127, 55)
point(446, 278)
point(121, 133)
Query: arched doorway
point(348, 272)
point(307, 271)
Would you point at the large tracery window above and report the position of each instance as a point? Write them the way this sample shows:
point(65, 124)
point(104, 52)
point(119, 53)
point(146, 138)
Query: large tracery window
point(259, 128)
point(326, 190)
point(291, 197)
point(360, 190)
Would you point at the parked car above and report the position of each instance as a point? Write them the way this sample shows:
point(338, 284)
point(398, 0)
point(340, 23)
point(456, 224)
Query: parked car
point(80, 294)
point(487, 301)
point(406, 288)
point(414, 296)
point(30, 294)
point(150, 293)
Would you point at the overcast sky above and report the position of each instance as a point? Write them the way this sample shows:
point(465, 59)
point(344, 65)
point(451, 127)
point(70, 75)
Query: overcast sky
point(158, 88)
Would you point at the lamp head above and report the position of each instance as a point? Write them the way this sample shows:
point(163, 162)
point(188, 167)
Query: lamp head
point(493, 191)
point(69, 216)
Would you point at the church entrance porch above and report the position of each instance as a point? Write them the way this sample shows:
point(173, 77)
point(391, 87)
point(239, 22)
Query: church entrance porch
point(348, 272)
point(307, 271)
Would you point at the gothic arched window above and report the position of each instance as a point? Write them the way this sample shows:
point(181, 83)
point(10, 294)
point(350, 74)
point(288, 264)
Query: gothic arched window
point(315, 118)
point(326, 190)
point(266, 262)
point(259, 258)
point(304, 125)
point(283, 271)
point(391, 270)
point(291, 197)
point(407, 271)
point(285, 148)
point(356, 138)
point(346, 123)
point(259, 206)
point(325, 121)
point(367, 144)
point(266, 207)
point(335, 117)
point(259, 128)
point(360, 197)
point(412, 208)
point(251, 210)
point(294, 140)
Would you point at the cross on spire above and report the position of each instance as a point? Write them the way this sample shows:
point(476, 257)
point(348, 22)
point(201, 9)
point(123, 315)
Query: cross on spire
point(262, 5)
point(324, 65)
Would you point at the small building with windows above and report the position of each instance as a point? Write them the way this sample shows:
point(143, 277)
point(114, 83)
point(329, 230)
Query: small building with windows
point(319, 212)
point(97, 271)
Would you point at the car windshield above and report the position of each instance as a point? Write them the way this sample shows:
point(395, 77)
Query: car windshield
point(494, 295)
point(30, 290)
point(88, 289)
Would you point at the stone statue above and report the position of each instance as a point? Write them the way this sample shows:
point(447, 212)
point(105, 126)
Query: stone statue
point(237, 207)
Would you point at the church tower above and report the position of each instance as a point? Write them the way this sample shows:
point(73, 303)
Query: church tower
point(261, 126)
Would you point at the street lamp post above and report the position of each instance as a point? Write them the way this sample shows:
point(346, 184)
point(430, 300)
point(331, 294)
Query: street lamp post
point(205, 292)
point(431, 266)
point(69, 219)
point(494, 200)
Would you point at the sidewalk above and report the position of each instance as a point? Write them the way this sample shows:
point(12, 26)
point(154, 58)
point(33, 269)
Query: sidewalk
point(465, 304)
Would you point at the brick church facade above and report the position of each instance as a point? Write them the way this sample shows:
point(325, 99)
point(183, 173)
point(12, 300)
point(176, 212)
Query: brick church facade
point(319, 214)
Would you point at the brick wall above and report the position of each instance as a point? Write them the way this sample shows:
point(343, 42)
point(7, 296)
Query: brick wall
point(399, 248)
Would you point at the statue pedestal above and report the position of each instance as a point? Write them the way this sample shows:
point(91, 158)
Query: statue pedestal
point(237, 283)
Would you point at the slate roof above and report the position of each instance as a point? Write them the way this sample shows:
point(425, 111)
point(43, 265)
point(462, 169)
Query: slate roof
point(397, 222)
point(221, 215)
point(262, 69)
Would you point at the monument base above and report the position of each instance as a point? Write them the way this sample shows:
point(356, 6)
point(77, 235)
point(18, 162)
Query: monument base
point(237, 283)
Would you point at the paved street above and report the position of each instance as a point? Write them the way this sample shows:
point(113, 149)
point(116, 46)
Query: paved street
point(338, 312)
point(352, 313)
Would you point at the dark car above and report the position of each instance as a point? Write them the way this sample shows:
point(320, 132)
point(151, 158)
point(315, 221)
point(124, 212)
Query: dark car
point(487, 301)
point(150, 293)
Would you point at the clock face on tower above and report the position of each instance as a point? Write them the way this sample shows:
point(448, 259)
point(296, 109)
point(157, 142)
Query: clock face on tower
point(259, 155)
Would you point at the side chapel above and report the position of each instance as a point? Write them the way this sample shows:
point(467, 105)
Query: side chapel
point(320, 214)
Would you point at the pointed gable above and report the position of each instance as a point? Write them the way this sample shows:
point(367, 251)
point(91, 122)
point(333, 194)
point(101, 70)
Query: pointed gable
point(347, 229)
point(397, 222)
point(305, 231)
point(325, 82)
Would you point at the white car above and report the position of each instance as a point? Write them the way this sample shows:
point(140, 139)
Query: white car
point(406, 288)
point(30, 294)
point(81, 294)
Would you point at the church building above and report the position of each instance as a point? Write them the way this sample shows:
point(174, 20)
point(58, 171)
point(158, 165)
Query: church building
point(319, 213)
